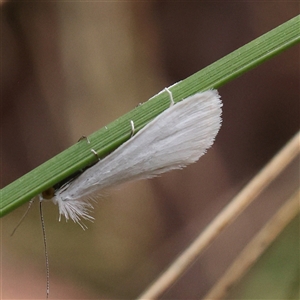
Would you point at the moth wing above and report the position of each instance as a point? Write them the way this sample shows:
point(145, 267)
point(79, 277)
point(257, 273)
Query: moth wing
point(177, 137)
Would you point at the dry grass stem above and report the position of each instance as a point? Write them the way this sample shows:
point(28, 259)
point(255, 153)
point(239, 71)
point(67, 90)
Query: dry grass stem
point(256, 247)
point(224, 218)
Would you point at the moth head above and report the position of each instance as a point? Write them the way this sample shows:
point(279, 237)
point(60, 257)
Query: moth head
point(48, 194)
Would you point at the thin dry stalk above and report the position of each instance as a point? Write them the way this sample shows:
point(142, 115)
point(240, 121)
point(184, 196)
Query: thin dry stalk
point(225, 218)
point(256, 247)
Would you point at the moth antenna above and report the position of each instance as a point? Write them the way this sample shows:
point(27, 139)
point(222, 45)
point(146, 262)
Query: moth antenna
point(132, 128)
point(171, 97)
point(23, 217)
point(46, 252)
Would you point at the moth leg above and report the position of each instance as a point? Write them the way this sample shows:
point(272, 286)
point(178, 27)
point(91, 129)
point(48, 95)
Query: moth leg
point(88, 141)
point(132, 128)
point(171, 97)
point(84, 138)
point(95, 153)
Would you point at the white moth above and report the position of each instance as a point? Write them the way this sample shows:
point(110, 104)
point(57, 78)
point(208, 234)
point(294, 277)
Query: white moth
point(177, 137)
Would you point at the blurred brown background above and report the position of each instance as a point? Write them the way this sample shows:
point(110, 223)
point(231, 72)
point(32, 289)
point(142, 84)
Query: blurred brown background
point(70, 68)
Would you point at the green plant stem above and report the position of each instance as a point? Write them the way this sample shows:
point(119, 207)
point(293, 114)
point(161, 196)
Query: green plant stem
point(109, 138)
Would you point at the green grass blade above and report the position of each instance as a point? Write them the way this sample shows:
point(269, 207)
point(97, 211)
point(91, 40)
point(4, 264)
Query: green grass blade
point(107, 139)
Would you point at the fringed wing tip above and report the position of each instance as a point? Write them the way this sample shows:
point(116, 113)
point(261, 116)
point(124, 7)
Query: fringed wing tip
point(75, 209)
